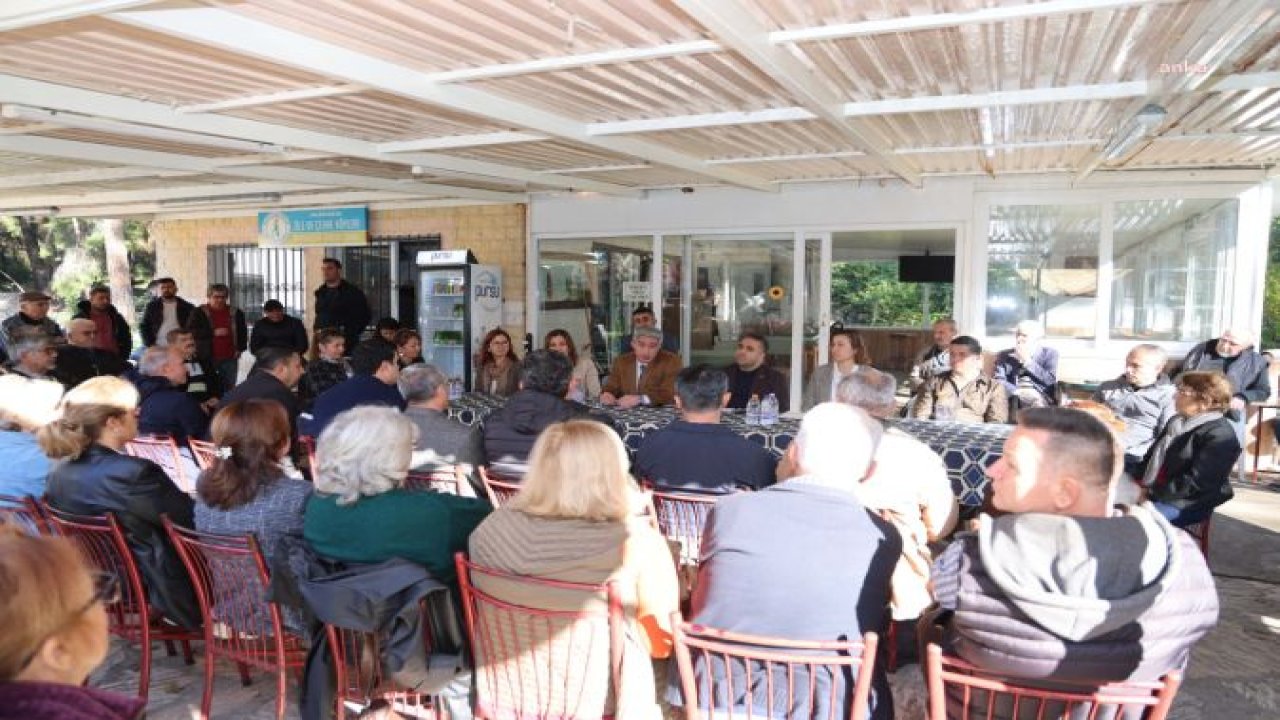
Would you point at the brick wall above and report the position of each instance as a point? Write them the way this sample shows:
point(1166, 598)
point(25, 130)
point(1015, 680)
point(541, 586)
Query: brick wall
point(494, 233)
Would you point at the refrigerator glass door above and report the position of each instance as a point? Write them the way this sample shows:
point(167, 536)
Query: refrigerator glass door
point(442, 320)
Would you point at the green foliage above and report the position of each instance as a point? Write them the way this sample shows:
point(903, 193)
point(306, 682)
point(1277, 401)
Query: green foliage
point(65, 256)
point(1271, 295)
point(867, 292)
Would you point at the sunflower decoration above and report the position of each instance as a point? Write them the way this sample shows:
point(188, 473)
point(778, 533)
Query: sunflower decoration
point(776, 293)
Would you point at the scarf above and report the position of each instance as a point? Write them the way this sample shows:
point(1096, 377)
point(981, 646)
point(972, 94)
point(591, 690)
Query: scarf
point(1179, 425)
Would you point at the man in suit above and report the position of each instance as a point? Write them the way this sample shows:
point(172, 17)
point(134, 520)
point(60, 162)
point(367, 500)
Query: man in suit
point(644, 376)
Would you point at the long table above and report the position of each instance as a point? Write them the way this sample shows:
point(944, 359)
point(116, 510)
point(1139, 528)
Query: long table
point(966, 448)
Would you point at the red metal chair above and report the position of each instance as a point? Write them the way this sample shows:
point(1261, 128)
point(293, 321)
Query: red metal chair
point(538, 663)
point(308, 445)
point(163, 451)
point(449, 480)
point(1200, 531)
point(24, 512)
point(681, 517)
point(750, 675)
point(102, 542)
point(499, 488)
point(357, 661)
point(203, 452)
point(954, 682)
point(231, 579)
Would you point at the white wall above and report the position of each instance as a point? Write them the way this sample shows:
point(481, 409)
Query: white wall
point(956, 202)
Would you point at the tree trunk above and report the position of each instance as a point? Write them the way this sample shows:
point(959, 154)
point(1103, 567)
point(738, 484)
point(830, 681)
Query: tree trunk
point(41, 268)
point(118, 275)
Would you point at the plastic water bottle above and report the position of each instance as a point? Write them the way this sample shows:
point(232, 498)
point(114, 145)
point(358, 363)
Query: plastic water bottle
point(753, 410)
point(769, 410)
point(455, 388)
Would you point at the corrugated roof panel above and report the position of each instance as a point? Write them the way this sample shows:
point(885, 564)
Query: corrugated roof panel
point(376, 117)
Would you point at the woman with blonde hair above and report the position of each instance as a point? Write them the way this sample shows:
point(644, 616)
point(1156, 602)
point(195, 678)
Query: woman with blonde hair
point(361, 511)
point(574, 520)
point(55, 632)
point(99, 417)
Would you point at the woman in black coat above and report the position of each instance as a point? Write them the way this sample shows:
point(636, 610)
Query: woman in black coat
point(1188, 470)
point(98, 418)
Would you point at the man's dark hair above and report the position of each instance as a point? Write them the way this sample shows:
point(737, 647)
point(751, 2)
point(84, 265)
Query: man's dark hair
point(99, 289)
point(1078, 442)
point(219, 288)
point(369, 356)
point(972, 345)
point(643, 310)
point(753, 335)
point(335, 261)
point(270, 358)
point(701, 388)
point(545, 371)
point(160, 281)
point(387, 323)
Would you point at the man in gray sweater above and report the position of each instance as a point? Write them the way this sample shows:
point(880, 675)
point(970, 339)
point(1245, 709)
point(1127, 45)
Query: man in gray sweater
point(1064, 591)
point(1143, 398)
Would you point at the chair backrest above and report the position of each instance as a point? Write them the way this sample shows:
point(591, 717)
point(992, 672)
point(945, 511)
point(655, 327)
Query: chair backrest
point(308, 444)
point(730, 674)
point(499, 488)
point(102, 543)
point(681, 517)
point(163, 451)
point(230, 577)
point(203, 451)
point(359, 674)
point(536, 663)
point(24, 512)
point(451, 480)
point(955, 683)
point(1200, 531)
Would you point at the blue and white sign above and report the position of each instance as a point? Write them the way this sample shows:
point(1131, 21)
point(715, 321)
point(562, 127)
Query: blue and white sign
point(313, 228)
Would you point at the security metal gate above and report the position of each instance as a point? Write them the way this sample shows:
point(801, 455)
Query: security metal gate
point(386, 270)
point(256, 275)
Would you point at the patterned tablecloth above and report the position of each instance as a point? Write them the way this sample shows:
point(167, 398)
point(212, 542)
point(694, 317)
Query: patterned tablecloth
point(967, 449)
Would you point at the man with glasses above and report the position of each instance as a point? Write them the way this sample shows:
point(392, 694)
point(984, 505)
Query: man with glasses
point(1233, 355)
point(221, 335)
point(32, 316)
point(33, 355)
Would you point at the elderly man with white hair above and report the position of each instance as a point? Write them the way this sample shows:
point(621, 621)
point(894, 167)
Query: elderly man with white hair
point(81, 358)
point(910, 488)
point(1233, 355)
point(32, 355)
point(1029, 370)
point(804, 559)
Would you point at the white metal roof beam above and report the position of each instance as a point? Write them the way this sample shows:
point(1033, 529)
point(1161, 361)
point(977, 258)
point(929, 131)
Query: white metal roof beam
point(73, 177)
point(69, 149)
point(727, 21)
point(243, 35)
point(570, 62)
point(202, 192)
point(460, 141)
point(18, 14)
point(914, 23)
point(88, 102)
point(273, 98)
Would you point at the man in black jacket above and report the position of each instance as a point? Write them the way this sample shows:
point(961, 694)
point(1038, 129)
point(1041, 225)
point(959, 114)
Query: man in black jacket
point(509, 432)
point(164, 313)
point(276, 329)
point(339, 304)
point(273, 377)
point(113, 335)
point(166, 408)
point(81, 359)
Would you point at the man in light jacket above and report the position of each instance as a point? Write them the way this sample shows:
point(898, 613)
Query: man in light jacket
point(1143, 398)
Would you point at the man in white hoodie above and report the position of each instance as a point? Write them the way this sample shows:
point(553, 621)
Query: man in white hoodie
point(1063, 589)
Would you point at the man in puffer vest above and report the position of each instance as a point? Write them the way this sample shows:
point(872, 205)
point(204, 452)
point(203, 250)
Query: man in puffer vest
point(1064, 590)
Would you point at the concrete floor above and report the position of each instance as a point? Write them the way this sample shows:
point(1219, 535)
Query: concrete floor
point(1234, 672)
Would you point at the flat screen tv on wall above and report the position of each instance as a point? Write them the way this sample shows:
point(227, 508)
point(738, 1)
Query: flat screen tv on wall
point(926, 268)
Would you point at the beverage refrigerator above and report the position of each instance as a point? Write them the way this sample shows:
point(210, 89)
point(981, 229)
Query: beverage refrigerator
point(459, 301)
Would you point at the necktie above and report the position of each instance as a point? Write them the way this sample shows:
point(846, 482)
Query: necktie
point(640, 374)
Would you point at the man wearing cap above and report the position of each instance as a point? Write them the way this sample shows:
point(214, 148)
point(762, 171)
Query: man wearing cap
point(32, 315)
point(276, 329)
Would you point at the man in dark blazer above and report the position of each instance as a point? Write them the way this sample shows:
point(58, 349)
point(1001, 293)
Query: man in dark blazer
point(273, 377)
point(644, 376)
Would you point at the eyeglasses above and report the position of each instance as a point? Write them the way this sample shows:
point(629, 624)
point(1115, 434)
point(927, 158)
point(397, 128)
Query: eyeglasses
point(106, 590)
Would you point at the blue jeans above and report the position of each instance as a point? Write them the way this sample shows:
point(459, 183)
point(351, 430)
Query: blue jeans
point(1178, 517)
